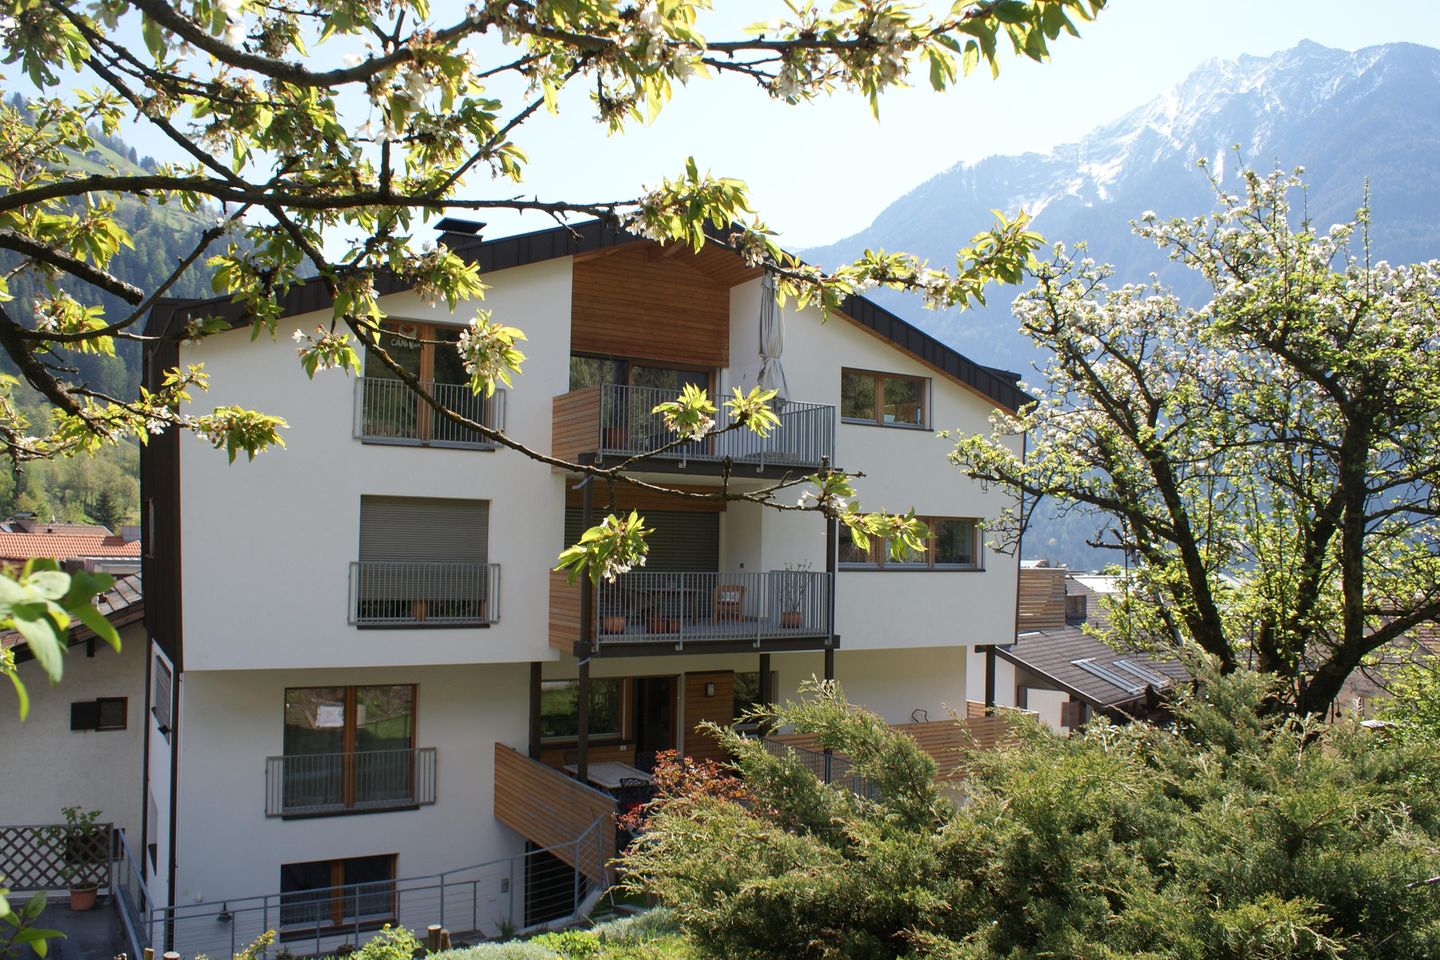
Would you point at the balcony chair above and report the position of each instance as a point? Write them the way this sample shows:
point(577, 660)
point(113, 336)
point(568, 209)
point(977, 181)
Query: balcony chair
point(729, 602)
point(633, 792)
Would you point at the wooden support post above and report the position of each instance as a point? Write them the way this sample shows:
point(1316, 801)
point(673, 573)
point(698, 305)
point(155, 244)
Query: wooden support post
point(432, 938)
point(149, 953)
point(587, 638)
point(535, 710)
point(582, 726)
point(990, 680)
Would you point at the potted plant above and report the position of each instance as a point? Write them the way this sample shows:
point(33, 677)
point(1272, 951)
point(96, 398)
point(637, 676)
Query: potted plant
point(82, 848)
point(794, 584)
point(613, 623)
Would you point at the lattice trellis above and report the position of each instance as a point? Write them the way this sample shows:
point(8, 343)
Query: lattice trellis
point(45, 858)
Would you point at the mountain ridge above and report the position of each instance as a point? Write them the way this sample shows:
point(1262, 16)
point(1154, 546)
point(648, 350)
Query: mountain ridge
point(1368, 118)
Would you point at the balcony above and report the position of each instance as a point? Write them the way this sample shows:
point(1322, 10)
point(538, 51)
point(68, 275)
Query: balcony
point(777, 608)
point(406, 593)
point(616, 421)
point(387, 411)
point(360, 781)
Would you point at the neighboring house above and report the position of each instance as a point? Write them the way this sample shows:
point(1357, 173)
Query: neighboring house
point(1369, 684)
point(95, 547)
point(364, 667)
point(1061, 672)
point(82, 743)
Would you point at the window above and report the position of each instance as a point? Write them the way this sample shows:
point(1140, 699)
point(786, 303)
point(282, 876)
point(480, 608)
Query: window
point(559, 707)
point(888, 399)
point(348, 747)
point(588, 371)
point(424, 560)
point(160, 697)
point(393, 412)
point(106, 713)
point(747, 690)
point(334, 893)
point(953, 544)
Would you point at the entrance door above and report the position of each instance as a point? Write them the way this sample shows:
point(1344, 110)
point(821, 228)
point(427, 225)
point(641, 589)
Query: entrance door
point(654, 718)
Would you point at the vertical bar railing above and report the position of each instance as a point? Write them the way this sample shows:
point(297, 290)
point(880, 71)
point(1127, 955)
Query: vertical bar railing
point(628, 426)
point(683, 606)
point(404, 592)
point(316, 783)
point(388, 411)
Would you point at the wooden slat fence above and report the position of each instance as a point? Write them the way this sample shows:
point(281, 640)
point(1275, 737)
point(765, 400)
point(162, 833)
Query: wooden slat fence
point(43, 857)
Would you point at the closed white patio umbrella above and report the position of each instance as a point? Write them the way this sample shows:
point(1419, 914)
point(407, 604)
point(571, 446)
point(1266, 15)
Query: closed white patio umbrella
point(772, 341)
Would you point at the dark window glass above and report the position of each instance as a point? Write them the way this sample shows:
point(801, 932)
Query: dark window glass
point(328, 893)
point(559, 713)
point(747, 690)
point(904, 400)
point(852, 552)
point(857, 396)
point(954, 542)
point(666, 378)
point(314, 720)
point(112, 713)
point(595, 371)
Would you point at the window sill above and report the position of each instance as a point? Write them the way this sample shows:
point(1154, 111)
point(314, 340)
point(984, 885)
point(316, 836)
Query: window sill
point(488, 445)
point(353, 812)
point(423, 625)
point(917, 427)
point(872, 568)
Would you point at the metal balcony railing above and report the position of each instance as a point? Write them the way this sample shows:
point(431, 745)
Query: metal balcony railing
point(628, 426)
point(388, 411)
point(403, 593)
point(683, 607)
point(309, 784)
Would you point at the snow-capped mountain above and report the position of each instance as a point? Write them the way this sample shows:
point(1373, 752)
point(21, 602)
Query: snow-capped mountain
point(1347, 117)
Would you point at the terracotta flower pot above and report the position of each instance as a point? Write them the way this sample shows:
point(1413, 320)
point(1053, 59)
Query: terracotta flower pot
point(792, 619)
point(82, 898)
point(612, 624)
point(658, 623)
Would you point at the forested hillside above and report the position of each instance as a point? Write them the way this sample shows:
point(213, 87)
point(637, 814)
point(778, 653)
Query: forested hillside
point(103, 487)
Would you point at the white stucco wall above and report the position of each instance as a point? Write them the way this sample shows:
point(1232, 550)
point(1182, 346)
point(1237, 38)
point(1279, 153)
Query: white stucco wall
point(234, 719)
point(44, 765)
point(268, 543)
point(1047, 704)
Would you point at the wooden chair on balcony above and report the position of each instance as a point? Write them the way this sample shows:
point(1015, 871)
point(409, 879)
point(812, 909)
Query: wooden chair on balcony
point(729, 602)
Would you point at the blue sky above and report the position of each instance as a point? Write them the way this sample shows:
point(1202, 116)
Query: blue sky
point(823, 170)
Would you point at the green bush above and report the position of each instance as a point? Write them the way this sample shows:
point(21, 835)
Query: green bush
point(652, 935)
point(1228, 837)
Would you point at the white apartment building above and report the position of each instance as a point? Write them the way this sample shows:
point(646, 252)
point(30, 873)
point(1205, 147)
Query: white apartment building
point(365, 670)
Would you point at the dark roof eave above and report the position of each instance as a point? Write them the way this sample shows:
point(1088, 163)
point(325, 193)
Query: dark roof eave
point(168, 316)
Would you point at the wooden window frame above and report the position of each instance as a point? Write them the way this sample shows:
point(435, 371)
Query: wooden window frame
point(347, 736)
point(879, 377)
point(878, 553)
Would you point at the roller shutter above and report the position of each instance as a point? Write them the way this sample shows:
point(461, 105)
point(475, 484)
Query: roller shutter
point(410, 528)
point(681, 541)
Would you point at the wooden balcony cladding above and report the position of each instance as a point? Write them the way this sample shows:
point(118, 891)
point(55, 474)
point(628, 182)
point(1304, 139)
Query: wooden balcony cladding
point(576, 426)
point(629, 303)
point(1042, 598)
point(564, 612)
point(718, 708)
point(551, 809)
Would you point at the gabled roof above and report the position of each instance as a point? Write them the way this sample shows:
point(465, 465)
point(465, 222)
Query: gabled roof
point(98, 543)
point(169, 316)
point(1089, 669)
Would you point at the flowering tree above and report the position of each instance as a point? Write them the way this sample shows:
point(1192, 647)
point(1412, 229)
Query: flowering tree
point(1269, 455)
point(327, 130)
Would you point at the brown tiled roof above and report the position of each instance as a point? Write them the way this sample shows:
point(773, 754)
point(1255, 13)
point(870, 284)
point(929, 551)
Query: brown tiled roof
point(66, 544)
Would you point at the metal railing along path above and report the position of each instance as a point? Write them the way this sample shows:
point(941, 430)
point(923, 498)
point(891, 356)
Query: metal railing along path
point(308, 784)
point(834, 769)
point(511, 894)
point(628, 426)
point(405, 592)
point(388, 411)
point(684, 607)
